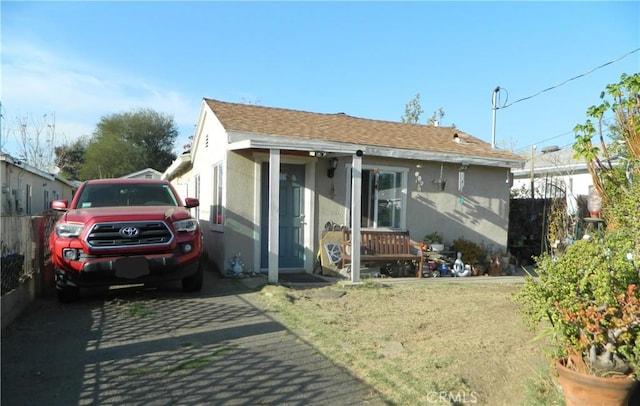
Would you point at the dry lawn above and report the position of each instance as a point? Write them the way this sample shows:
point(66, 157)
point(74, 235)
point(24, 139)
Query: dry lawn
point(422, 343)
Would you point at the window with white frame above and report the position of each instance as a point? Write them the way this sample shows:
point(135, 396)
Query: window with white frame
point(384, 197)
point(217, 190)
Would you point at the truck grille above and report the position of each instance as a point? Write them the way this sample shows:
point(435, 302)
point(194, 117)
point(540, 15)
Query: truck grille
point(127, 234)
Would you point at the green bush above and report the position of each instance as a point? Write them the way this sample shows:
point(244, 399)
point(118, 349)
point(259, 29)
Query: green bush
point(588, 294)
point(472, 253)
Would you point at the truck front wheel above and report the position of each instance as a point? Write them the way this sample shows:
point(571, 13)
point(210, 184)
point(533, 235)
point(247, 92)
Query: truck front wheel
point(193, 283)
point(67, 294)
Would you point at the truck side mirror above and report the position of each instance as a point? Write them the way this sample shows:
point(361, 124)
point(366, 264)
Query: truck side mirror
point(190, 202)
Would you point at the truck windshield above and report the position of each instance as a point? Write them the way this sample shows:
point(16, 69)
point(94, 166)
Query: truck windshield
point(115, 195)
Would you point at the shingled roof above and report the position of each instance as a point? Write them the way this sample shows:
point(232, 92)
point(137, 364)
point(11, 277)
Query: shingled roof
point(342, 128)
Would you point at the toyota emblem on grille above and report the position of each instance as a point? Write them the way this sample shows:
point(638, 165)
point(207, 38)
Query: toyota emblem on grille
point(129, 231)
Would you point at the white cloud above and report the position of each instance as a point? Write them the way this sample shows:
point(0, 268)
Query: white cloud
point(37, 81)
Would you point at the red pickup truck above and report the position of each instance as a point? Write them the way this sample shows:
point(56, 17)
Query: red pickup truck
point(122, 232)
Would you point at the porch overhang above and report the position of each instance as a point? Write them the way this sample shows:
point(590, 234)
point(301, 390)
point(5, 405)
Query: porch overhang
point(242, 142)
point(178, 167)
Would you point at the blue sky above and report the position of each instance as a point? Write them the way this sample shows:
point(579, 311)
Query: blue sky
point(84, 60)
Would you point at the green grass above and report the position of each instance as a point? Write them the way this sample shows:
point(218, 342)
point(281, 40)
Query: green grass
point(465, 342)
point(540, 390)
point(139, 310)
point(189, 364)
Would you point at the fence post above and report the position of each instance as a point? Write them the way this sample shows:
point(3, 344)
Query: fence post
point(48, 274)
point(37, 231)
point(42, 271)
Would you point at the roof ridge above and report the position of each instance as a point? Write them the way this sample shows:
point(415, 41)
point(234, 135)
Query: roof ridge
point(344, 128)
point(340, 114)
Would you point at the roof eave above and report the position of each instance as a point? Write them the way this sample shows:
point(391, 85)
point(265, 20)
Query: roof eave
point(338, 148)
point(178, 166)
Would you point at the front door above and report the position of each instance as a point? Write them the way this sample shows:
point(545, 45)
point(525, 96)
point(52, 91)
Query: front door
point(292, 219)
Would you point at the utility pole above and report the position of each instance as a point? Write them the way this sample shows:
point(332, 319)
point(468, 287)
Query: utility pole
point(494, 102)
point(1, 120)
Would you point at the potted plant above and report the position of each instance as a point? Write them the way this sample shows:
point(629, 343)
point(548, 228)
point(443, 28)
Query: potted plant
point(586, 297)
point(434, 241)
point(588, 300)
point(441, 181)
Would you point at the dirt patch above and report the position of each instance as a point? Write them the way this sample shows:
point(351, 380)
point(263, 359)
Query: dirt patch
point(448, 342)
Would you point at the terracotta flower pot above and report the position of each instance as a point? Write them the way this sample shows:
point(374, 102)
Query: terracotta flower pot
point(582, 389)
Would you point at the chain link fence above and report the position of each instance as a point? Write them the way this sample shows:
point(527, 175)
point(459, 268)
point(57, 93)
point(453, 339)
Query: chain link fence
point(12, 272)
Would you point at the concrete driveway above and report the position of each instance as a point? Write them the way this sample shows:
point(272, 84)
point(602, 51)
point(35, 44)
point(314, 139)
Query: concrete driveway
point(165, 347)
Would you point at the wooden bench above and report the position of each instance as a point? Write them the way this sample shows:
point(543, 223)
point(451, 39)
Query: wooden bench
point(383, 246)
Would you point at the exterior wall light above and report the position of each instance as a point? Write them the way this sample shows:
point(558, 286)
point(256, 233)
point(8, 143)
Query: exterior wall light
point(333, 164)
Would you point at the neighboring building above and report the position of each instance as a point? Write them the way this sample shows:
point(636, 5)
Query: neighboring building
point(557, 178)
point(554, 173)
point(148, 173)
point(397, 170)
point(27, 190)
point(179, 171)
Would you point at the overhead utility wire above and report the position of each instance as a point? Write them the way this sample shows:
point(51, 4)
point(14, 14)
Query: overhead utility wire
point(569, 80)
point(527, 147)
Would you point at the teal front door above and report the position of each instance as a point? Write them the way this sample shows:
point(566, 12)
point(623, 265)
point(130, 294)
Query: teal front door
point(292, 219)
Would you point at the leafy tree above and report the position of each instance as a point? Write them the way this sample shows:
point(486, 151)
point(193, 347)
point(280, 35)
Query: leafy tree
point(107, 156)
point(412, 111)
point(617, 118)
point(436, 117)
point(129, 142)
point(70, 158)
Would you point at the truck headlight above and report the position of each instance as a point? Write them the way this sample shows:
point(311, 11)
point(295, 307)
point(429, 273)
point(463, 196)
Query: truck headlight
point(69, 230)
point(186, 226)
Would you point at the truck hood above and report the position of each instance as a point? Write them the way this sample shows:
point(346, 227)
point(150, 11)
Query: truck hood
point(129, 213)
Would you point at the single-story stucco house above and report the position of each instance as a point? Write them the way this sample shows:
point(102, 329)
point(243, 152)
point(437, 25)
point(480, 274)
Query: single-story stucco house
point(269, 179)
point(147, 173)
point(27, 190)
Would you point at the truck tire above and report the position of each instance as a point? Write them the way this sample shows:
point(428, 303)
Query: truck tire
point(193, 283)
point(67, 294)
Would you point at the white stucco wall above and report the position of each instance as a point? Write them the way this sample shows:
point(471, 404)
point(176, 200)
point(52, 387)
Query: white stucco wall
point(209, 150)
point(240, 214)
point(575, 184)
point(558, 167)
point(479, 213)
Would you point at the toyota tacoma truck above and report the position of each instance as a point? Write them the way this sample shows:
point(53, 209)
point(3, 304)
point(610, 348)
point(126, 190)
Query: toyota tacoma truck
point(123, 232)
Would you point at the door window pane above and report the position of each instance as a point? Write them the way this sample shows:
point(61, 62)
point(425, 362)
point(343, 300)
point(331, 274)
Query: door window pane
point(389, 199)
point(383, 198)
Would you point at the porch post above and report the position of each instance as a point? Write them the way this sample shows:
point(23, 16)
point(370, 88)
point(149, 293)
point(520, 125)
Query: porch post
point(274, 214)
point(356, 199)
